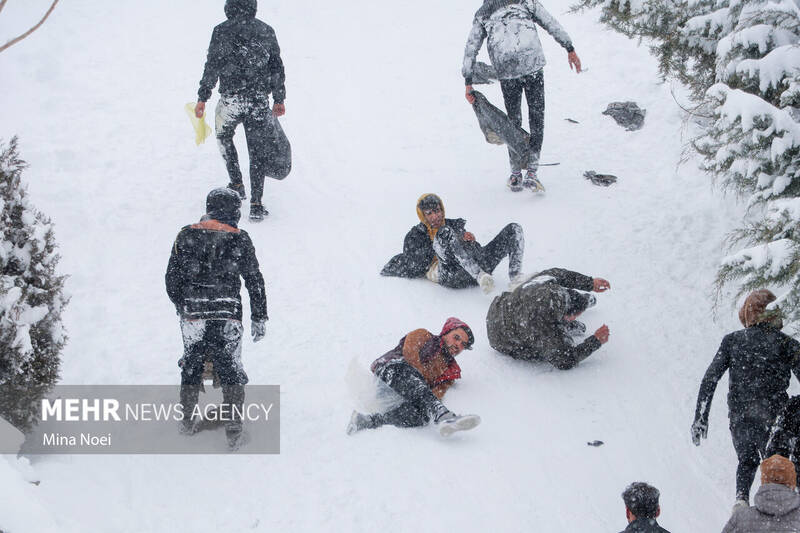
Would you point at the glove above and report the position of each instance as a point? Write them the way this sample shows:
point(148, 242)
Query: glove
point(486, 282)
point(258, 328)
point(699, 430)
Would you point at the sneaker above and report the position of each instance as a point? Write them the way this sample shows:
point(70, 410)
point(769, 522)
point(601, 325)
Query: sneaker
point(532, 183)
point(515, 181)
point(257, 212)
point(359, 422)
point(238, 188)
point(740, 504)
point(189, 426)
point(449, 422)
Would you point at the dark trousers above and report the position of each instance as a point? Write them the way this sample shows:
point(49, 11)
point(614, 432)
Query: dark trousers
point(221, 342)
point(460, 261)
point(420, 403)
point(750, 437)
point(256, 115)
point(533, 87)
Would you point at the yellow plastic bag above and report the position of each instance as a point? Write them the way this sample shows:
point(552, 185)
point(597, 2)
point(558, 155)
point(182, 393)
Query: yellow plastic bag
point(201, 129)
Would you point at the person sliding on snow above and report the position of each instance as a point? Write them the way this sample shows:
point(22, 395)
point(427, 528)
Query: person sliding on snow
point(760, 359)
point(443, 251)
point(509, 27)
point(245, 57)
point(420, 369)
point(202, 279)
point(536, 321)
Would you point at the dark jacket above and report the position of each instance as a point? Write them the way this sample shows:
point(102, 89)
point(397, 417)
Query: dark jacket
point(761, 359)
point(418, 254)
point(528, 323)
point(785, 436)
point(244, 55)
point(204, 268)
point(424, 351)
point(644, 525)
point(776, 509)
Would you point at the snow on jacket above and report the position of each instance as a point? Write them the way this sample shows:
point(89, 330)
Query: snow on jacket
point(509, 27)
point(202, 279)
point(528, 323)
point(776, 509)
point(244, 56)
point(425, 352)
point(760, 359)
point(785, 435)
point(644, 525)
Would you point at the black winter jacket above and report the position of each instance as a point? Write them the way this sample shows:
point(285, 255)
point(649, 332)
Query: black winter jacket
point(418, 254)
point(644, 525)
point(244, 55)
point(203, 273)
point(761, 359)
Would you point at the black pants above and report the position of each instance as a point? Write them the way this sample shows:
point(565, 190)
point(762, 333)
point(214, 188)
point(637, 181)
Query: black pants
point(221, 341)
point(420, 403)
point(460, 261)
point(750, 437)
point(256, 115)
point(533, 86)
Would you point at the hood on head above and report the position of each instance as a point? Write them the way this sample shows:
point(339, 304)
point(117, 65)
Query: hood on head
point(223, 204)
point(754, 310)
point(454, 323)
point(776, 500)
point(577, 302)
point(426, 201)
point(240, 8)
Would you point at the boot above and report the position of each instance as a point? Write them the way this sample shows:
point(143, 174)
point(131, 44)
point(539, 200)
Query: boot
point(239, 189)
point(360, 421)
point(257, 212)
point(515, 181)
point(188, 399)
point(531, 182)
point(449, 422)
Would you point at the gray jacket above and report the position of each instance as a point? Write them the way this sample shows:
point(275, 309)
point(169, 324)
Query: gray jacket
point(509, 26)
point(776, 510)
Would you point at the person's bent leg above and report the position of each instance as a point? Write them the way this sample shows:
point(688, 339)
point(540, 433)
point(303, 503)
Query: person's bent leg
point(512, 98)
point(509, 242)
point(534, 95)
point(747, 435)
point(406, 381)
point(226, 336)
point(257, 127)
point(228, 116)
point(451, 248)
point(406, 415)
point(194, 348)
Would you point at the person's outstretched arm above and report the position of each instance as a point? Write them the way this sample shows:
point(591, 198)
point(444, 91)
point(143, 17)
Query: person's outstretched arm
point(544, 19)
point(716, 369)
point(474, 42)
point(211, 71)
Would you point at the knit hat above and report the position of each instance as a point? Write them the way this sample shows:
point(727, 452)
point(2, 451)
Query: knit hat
point(454, 323)
point(754, 310)
point(223, 204)
point(778, 469)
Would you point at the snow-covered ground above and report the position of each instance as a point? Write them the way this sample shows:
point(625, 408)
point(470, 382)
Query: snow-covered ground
point(376, 115)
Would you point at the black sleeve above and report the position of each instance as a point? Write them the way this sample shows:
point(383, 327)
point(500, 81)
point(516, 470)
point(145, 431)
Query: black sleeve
point(718, 366)
point(567, 356)
point(569, 279)
point(174, 277)
point(212, 68)
point(457, 224)
point(793, 349)
point(253, 280)
point(276, 72)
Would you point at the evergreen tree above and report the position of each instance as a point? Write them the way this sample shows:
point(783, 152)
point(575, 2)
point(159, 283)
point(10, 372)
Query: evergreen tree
point(31, 298)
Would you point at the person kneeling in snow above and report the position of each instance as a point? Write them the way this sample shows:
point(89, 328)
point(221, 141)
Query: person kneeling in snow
point(420, 369)
point(442, 250)
point(207, 260)
point(536, 321)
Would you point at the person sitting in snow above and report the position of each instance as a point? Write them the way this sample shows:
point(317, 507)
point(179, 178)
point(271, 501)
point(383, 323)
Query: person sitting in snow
point(536, 321)
point(420, 369)
point(442, 250)
point(761, 360)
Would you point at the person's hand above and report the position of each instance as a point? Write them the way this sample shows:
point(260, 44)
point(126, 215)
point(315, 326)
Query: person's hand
point(602, 334)
point(699, 431)
point(574, 61)
point(200, 109)
point(258, 328)
point(486, 282)
point(469, 237)
point(278, 110)
point(600, 285)
point(468, 94)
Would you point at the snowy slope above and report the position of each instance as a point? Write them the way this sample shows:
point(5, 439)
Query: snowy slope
point(376, 115)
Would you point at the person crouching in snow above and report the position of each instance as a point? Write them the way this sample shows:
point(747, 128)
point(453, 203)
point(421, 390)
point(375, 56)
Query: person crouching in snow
point(536, 321)
point(420, 369)
point(442, 250)
point(761, 360)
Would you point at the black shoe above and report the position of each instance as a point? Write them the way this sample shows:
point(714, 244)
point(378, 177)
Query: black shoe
point(257, 212)
point(359, 421)
point(515, 182)
point(238, 188)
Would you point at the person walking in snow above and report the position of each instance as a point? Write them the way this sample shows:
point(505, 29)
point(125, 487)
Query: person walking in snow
point(202, 280)
point(776, 504)
point(760, 359)
point(421, 368)
point(509, 27)
point(245, 57)
point(642, 508)
point(442, 250)
point(537, 320)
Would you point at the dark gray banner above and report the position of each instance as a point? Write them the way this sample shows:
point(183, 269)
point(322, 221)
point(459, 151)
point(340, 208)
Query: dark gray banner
point(131, 419)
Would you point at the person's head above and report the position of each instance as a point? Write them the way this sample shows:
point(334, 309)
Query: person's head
point(456, 336)
point(240, 8)
point(780, 470)
point(754, 310)
point(223, 204)
point(641, 501)
point(430, 210)
point(576, 302)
